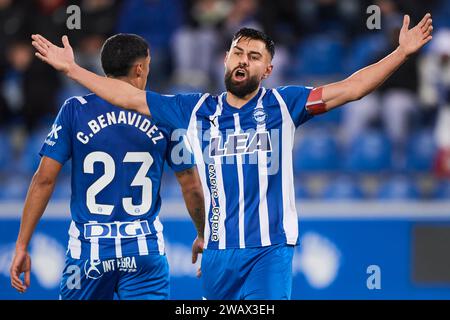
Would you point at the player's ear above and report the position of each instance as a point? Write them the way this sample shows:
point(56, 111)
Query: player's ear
point(139, 69)
point(268, 71)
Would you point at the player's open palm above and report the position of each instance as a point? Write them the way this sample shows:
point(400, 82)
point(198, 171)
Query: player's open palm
point(21, 264)
point(59, 58)
point(411, 40)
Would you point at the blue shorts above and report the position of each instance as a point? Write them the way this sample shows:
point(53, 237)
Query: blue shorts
point(130, 278)
point(263, 273)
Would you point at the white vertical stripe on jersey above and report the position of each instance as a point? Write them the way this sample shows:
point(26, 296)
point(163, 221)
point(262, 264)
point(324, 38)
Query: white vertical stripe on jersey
point(118, 245)
point(237, 125)
point(263, 184)
point(192, 135)
point(159, 228)
point(95, 254)
point(142, 244)
point(290, 222)
point(219, 178)
point(74, 242)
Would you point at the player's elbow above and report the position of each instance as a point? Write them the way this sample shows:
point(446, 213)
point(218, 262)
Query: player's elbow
point(353, 90)
point(43, 180)
point(193, 190)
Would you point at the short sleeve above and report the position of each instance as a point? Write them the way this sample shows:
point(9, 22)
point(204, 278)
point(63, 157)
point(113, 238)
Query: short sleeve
point(179, 154)
point(295, 98)
point(173, 111)
point(58, 143)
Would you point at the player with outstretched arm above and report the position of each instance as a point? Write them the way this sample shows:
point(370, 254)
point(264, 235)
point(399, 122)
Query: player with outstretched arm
point(242, 141)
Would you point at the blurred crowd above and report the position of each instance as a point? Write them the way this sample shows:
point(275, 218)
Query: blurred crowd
point(392, 143)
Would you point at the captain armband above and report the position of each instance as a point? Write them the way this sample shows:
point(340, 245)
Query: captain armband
point(315, 104)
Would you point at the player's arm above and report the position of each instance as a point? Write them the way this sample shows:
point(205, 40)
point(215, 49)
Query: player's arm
point(366, 80)
point(39, 193)
point(191, 188)
point(116, 92)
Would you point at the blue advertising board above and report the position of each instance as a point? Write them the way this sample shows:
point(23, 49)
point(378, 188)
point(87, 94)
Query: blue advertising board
point(342, 254)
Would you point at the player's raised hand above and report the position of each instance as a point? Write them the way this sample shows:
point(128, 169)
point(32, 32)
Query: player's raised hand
point(411, 40)
point(21, 264)
point(59, 58)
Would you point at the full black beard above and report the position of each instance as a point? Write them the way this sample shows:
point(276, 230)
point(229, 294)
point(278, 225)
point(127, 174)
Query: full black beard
point(243, 89)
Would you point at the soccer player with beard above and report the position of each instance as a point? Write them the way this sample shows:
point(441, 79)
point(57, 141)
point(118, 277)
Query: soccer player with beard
point(242, 141)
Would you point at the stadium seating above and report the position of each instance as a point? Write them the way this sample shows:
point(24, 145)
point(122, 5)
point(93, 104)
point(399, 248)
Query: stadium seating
point(442, 191)
point(342, 188)
point(30, 155)
point(363, 51)
point(14, 188)
point(134, 18)
point(317, 150)
point(328, 52)
point(369, 152)
point(420, 151)
point(440, 17)
point(6, 151)
point(398, 188)
point(301, 191)
point(319, 55)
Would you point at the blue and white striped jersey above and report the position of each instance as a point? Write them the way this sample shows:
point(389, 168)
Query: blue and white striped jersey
point(244, 158)
point(118, 159)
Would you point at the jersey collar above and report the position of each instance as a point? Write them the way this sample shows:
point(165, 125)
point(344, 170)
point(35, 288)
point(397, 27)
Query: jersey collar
point(251, 104)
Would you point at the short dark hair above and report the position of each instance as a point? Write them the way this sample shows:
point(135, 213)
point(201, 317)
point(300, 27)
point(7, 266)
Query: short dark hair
point(120, 51)
point(256, 35)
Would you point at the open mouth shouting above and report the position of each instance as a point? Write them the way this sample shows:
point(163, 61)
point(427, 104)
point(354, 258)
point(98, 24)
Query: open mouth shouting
point(240, 75)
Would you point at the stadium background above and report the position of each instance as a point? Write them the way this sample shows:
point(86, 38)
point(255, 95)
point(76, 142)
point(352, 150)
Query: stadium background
point(372, 178)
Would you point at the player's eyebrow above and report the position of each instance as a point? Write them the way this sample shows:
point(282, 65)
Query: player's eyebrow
point(251, 52)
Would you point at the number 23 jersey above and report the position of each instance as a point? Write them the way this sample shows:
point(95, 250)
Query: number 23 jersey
point(118, 158)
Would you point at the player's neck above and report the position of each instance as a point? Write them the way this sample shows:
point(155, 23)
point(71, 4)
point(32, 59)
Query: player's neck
point(238, 102)
point(133, 81)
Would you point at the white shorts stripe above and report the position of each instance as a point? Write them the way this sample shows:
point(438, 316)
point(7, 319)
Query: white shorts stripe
point(142, 244)
point(118, 246)
point(159, 234)
point(95, 254)
point(74, 243)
